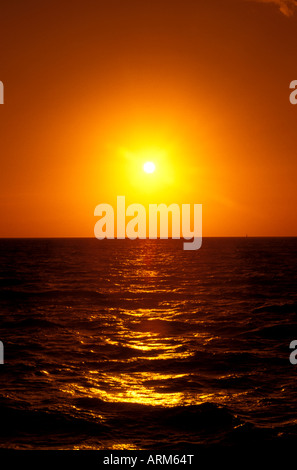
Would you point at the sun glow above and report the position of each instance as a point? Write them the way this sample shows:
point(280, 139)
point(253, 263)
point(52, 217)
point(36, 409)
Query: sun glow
point(146, 172)
point(149, 167)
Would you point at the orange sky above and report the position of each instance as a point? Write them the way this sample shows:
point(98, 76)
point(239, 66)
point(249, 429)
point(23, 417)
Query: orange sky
point(93, 88)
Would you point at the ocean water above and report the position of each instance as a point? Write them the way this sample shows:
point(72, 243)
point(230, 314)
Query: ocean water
point(125, 344)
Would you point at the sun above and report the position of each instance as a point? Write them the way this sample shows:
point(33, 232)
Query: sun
point(149, 167)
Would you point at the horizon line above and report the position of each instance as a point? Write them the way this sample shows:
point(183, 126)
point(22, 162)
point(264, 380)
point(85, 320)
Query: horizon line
point(147, 238)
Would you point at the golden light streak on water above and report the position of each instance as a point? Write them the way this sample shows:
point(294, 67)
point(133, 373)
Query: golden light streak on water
point(135, 388)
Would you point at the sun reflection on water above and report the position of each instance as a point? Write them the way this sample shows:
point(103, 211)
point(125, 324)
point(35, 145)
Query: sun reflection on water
point(141, 388)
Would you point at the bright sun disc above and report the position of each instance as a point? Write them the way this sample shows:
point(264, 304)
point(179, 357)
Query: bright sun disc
point(149, 167)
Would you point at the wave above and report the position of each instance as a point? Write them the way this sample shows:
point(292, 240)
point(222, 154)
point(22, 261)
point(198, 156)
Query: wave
point(59, 295)
point(277, 308)
point(29, 323)
point(286, 331)
point(43, 423)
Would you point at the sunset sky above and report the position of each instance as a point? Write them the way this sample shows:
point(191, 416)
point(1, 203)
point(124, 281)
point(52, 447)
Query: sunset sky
point(93, 89)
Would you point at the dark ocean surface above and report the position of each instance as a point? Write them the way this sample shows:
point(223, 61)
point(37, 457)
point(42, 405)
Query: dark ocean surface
point(125, 344)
